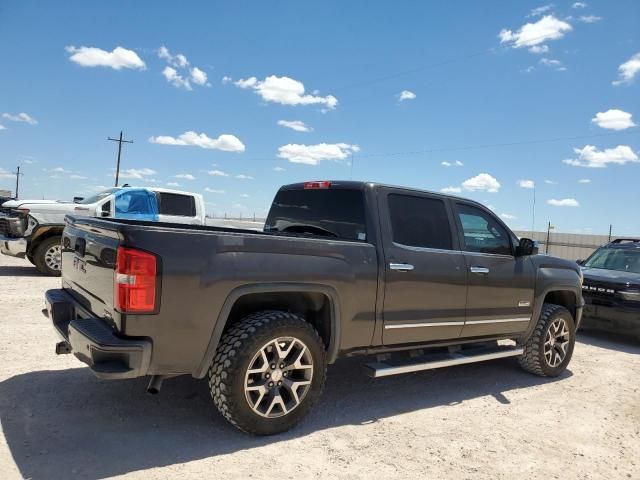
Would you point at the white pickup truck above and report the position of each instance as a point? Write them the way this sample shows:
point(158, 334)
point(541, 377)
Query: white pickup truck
point(33, 228)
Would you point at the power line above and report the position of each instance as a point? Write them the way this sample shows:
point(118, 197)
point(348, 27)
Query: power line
point(497, 145)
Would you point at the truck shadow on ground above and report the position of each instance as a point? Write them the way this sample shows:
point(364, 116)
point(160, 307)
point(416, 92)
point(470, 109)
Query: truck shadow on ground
point(26, 271)
point(68, 424)
point(610, 341)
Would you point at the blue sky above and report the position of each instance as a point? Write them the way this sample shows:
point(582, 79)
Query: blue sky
point(504, 92)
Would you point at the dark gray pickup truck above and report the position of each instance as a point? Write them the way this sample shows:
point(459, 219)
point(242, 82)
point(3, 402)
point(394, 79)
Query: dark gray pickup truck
point(412, 279)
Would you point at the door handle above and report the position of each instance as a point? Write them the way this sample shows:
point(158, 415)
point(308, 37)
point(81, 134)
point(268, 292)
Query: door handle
point(401, 267)
point(482, 270)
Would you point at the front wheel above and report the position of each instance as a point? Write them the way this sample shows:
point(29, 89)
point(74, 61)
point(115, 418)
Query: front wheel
point(548, 350)
point(48, 256)
point(268, 372)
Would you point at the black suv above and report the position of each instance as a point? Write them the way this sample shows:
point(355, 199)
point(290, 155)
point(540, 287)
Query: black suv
point(611, 287)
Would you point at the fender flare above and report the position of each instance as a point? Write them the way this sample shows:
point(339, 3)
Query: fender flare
point(539, 302)
point(235, 294)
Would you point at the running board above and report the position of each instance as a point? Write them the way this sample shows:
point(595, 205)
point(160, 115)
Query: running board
point(439, 360)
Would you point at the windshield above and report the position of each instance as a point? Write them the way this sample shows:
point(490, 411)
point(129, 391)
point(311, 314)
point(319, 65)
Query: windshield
point(622, 260)
point(99, 196)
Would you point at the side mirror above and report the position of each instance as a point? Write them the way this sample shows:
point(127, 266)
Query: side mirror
point(77, 199)
point(580, 262)
point(526, 246)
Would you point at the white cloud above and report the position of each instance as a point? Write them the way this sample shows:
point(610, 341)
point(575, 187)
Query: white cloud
point(6, 174)
point(212, 190)
point(584, 180)
point(613, 119)
point(551, 63)
point(406, 95)
point(2, 127)
point(539, 49)
point(590, 156)
point(536, 12)
point(137, 173)
point(20, 117)
point(185, 176)
point(445, 164)
point(225, 142)
point(77, 177)
point(589, 18)
point(226, 79)
point(279, 169)
point(314, 154)
point(173, 184)
point(297, 125)
point(550, 182)
point(565, 202)
point(530, 34)
point(506, 216)
point(58, 169)
point(244, 195)
point(178, 61)
point(217, 173)
point(457, 163)
point(526, 183)
point(175, 79)
point(117, 59)
point(242, 176)
point(198, 76)
point(482, 182)
point(579, 5)
point(286, 91)
point(451, 190)
point(628, 70)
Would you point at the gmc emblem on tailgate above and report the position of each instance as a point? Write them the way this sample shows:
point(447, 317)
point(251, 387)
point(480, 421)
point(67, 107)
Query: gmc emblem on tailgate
point(79, 264)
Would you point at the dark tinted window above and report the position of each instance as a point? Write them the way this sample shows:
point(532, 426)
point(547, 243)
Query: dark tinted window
point(328, 212)
point(419, 222)
point(176, 204)
point(482, 233)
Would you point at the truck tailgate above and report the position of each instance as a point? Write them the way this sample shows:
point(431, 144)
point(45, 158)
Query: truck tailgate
point(88, 266)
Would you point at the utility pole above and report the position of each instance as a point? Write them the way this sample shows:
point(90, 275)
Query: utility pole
point(533, 213)
point(17, 174)
point(120, 142)
point(610, 229)
point(549, 228)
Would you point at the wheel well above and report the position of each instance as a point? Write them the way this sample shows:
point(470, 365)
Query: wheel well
point(314, 307)
point(565, 298)
point(40, 235)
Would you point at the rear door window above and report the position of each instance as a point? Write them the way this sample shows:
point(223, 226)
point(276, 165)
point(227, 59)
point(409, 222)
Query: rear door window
point(333, 213)
point(176, 204)
point(419, 222)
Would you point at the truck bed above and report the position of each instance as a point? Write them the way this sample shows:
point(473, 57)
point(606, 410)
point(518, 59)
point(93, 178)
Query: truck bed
point(202, 268)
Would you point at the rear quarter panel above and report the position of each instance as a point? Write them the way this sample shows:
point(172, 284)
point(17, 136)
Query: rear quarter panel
point(201, 269)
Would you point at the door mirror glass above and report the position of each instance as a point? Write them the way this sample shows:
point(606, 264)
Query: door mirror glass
point(105, 211)
point(526, 246)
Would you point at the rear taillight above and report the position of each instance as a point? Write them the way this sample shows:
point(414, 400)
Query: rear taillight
point(315, 185)
point(135, 281)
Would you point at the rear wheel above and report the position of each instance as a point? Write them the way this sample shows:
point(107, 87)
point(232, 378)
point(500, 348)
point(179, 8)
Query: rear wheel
point(48, 256)
point(548, 350)
point(268, 372)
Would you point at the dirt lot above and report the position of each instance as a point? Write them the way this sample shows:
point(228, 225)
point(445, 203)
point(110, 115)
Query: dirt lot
point(488, 420)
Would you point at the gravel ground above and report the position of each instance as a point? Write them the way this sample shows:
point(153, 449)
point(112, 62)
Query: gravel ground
point(488, 420)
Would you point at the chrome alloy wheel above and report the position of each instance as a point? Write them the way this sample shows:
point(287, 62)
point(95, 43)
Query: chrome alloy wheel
point(556, 342)
point(279, 377)
point(53, 257)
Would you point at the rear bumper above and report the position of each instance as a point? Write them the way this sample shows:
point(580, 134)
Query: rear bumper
point(94, 342)
point(14, 247)
point(612, 319)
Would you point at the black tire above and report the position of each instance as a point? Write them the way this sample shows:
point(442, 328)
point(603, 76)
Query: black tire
point(237, 350)
point(534, 359)
point(39, 257)
point(31, 260)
